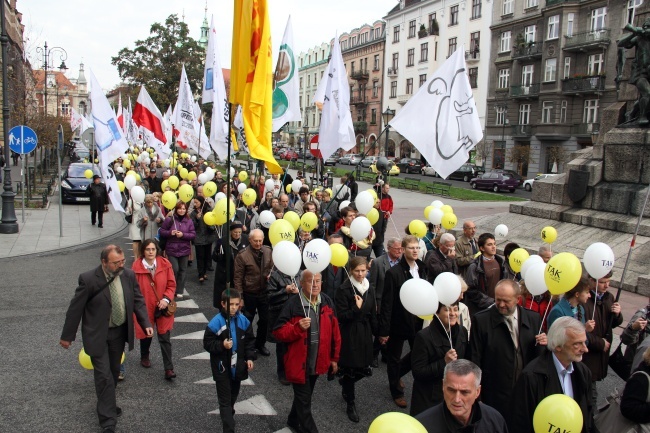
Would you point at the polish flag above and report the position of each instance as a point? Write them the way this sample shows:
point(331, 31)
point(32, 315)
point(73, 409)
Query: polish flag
point(120, 112)
point(147, 115)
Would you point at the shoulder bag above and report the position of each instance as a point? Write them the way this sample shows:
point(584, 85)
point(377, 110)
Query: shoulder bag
point(167, 311)
point(610, 419)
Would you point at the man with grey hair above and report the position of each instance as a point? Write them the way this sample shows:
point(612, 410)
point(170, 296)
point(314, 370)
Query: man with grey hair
point(558, 370)
point(466, 247)
point(545, 253)
point(460, 411)
point(505, 338)
point(443, 258)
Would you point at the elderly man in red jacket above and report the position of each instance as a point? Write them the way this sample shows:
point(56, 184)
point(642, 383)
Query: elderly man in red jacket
point(310, 328)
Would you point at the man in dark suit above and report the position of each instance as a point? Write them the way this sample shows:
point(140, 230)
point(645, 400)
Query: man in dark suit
point(104, 302)
point(98, 200)
point(333, 276)
point(443, 258)
point(505, 338)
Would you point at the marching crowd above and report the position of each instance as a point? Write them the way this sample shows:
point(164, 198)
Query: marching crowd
point(482, 363)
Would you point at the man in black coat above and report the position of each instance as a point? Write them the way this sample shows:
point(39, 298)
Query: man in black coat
point(483, 275)
point(98, 200)
point(333, 276)
point(492, 344)
point(557, 371)
point(105, 302)
point(443, 258)
point(396, 324)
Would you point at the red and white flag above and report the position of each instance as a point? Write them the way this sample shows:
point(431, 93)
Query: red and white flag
point(120, 112)
point(147, 116)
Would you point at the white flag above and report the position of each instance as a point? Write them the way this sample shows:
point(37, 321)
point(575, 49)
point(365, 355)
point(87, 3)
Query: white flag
point(319, 96)
point(109, 138)
point(286, 99)
point(78, 121)
point(441, 119)
point(239, 124)
point(114, 195)
point(214, 90)
point(186, 126)
point(336, 128)
point(169, 127)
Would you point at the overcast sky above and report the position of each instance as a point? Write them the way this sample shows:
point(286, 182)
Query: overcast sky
point(93, 31)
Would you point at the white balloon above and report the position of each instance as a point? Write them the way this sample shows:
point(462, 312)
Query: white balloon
point(364, 202)
point(296, 185)
point(286, 257)
point(129, 181)
point(232, 172)
point(535, 283)
point(598, 259)
point(447, 287)
point(203, 178)
point(529, 263)
point(166, 162)
point(241, 188)
point(316, 255)
point(437, 204)
point(120, 169)
point(360, 228)
point(344, 203)
point(419, 297)
point(124, 156)
point(266, 219)
point(435, 216)
point(219, 196)
point(147, 160)
point(193, 158)
point(269, 185)
point(501, 231)
point(137, 194)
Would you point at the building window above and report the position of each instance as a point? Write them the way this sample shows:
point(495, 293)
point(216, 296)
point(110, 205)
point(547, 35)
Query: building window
point(591, 111)
point(301, 82)
point(631, 9)
point(364, 37)
point(507, 7)
point(453, 15)
point(395, 61)
point(570, 23)
point(501, 116)
point(504, 41)
point(474, 43)
point(411, 29)
point(524, 114)
point(351, 67)
point(395, 34)
point(393, 89)
point(531, 3)
point(595, 64)
point(550, 69)
point(553, 27)
point(567, 67)
point(424, 52)
point(313, 119)
point(476, 9)
point(452, 46)
point(308, 80)
point(300, 100)
point(504, 78)
point(598, 18)
point(375, 88)
point(499, 155)
point(473, 77)
point(527, 75)
point(373, 116)
point(432, 18)
point(563, 107)
point(435, 51)
point(376, 63)
point(529, 33)
point(547, 112)
point(409, 86)
point(410, 57)
point(423, 79)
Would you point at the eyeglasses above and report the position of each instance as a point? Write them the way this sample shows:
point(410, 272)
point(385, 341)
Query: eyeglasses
point(118, 262)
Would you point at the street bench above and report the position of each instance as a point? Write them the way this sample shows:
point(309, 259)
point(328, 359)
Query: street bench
point(439, 188)
point(412, 183)
point(367, 176)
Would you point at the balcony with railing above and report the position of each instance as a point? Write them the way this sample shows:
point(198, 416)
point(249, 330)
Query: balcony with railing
point(472, 55)
point(585, 129)
point(360, 75)
point(591, 84)
point(403, 99)
point(528, 50)
point(521, 130)
point(358, 100)
point(392, 72)
point(524, 92)
point(557, 2)
point(586, 40)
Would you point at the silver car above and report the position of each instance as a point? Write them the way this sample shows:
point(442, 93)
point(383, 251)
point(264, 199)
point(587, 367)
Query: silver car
point(354, 159)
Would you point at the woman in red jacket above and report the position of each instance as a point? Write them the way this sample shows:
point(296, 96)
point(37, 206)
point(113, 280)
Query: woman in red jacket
point(157, 283)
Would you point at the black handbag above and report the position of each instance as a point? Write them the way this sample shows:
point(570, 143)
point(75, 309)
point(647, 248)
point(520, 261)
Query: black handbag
point(128, 218)
point(620, 364)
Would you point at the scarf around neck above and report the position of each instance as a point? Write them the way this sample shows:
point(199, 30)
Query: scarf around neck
point(361, 287)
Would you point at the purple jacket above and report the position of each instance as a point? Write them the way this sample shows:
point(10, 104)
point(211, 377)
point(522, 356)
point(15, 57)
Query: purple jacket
point(178, 247)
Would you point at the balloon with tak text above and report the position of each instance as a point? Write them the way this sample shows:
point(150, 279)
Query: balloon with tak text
point(308, 221)
point(281, 230)
point(266, 218)
point(501, 231)
point(558, 413)
point(598, 260)
point(417, 228)
point(316, 255)
point(517, 259)
point(549, 234)
point(449, 221)
point(562, 273)
point(396, 422)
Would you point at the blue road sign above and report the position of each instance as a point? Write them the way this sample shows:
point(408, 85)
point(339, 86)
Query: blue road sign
point(22, 139)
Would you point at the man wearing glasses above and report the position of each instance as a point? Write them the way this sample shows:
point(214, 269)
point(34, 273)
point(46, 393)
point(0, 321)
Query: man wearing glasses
point(466, 248)
point(106, 298)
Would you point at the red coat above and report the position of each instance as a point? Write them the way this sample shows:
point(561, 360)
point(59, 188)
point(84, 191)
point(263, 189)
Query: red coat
point(165, 287)
point(386, 204)
point(538, 305)
point(288, 330)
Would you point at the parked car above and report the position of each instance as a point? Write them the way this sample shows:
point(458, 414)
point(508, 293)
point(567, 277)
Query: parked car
point(74, 182)
point(466, 172)
point(79, 152)
point(308, 155)
point(350, 159)
point(332, 160)
point(368, 161)
point(528, 183)
point(394, 171)
point(494, 181)
point(427, 170)
point(409, 165)
point(290, 155)
point(513, 174)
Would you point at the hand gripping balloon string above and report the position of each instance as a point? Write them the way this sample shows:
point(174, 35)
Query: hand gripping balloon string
point(443, 327)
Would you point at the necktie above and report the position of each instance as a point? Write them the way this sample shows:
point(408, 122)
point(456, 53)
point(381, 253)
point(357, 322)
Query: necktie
point(335, 269)
point(513, 331)
point(117, 312)
point(473, 244)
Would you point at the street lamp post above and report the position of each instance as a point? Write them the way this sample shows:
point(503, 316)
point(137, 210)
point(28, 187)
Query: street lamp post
point(388, 116)
point(47, 57)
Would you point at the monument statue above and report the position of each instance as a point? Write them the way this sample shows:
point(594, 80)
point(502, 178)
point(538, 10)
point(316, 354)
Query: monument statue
point(638, 38)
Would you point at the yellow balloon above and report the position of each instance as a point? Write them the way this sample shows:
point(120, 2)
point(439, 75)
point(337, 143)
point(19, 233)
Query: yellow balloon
point(445, 208)
point(186, 193)
point(557, 412)
point(164, 184)
point(373, 216)
point(84, 360)
point(449, 221)
point(396, 422)
point(288, 188)
point(175, 154)
point(426, 212)
point(183, 173)
point(96, 161)
point(173, 163)
point(373, 193)
point(562, 273)
point(243, 176)
point(220, 211)
point(427, 317)
point(209, 189)
point(418, 228)
point(249, 196)
point(340, 255)
point(88, 174)
point(169, 200)
point(173, 182)
point(138, 177)
point(293, 218)
point(130, 173)
point(210, 219)
point(517, 259)
point(549, 234)
point(126, 163)
point(281, 230)
point(120, 185)
point(191, 176)
point(309, 221)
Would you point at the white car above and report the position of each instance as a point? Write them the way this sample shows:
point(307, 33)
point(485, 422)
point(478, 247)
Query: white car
point(528, 184)
point(428, 171)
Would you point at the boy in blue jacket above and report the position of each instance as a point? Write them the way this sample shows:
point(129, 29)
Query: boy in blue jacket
point(232, 351)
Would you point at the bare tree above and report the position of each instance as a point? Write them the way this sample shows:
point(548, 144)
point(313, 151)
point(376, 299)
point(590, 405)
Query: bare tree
point(521, 156)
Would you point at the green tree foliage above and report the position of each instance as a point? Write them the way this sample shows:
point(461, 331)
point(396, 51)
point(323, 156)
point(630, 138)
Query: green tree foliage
point(156, 62)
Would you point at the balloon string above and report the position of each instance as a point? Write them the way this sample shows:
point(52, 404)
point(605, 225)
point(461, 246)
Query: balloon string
point(593, 316)
point(445, 329)
point(544, 317)
point(392, 221)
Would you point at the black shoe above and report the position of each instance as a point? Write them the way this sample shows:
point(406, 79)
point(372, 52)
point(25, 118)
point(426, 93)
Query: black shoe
point(100, 226)
point(93, 223)
point(295, 425)
point(374, 363)
point(109, 429)
point(263, 351)
point(352, 412)
point(119, 411)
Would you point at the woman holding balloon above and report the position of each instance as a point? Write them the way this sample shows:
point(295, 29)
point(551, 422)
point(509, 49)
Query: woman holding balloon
point(357, 314)
point(572, 305)
point(205, 237)
point(179, 231)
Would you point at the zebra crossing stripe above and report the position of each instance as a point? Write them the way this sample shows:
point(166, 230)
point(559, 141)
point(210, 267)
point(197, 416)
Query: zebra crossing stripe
point(191, 318)
point(256, 405)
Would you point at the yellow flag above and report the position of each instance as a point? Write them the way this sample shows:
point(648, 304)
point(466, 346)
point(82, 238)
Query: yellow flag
point(251, 77)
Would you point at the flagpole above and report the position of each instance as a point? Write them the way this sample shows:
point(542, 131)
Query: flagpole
point(227, 234)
